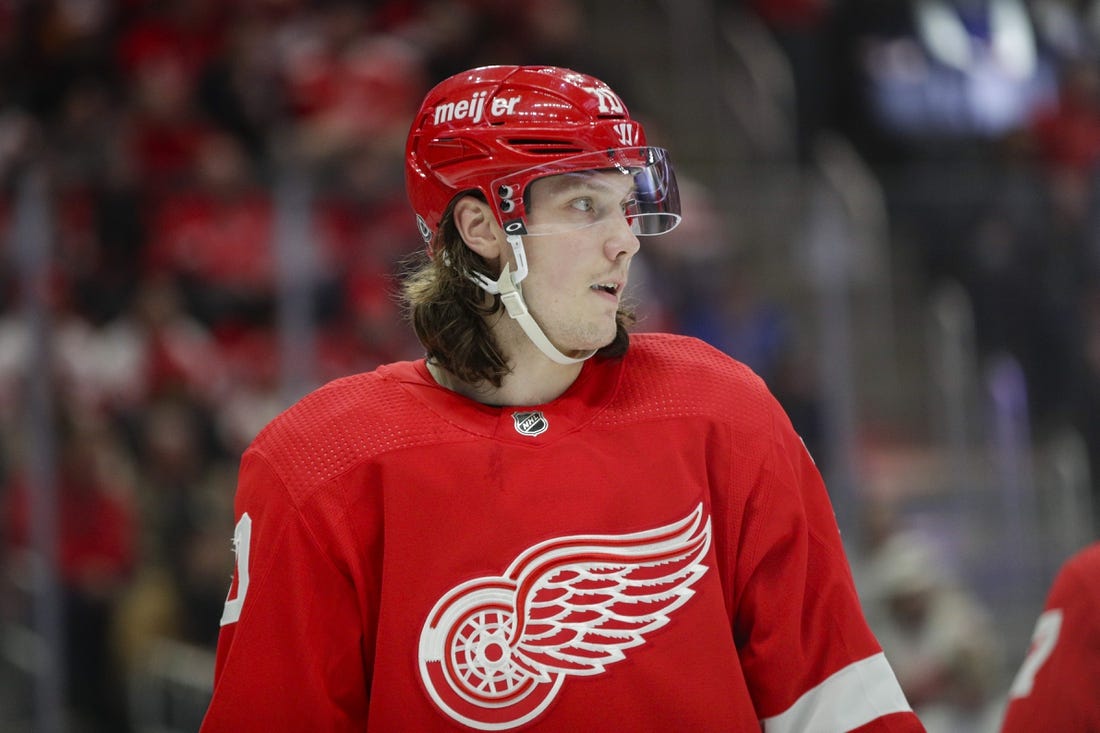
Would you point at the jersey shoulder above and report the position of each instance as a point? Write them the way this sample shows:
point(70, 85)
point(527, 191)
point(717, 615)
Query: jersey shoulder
point(344, 423)
point(669, 375)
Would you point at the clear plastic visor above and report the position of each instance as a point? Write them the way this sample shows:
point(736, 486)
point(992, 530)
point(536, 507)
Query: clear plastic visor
point(635, 185)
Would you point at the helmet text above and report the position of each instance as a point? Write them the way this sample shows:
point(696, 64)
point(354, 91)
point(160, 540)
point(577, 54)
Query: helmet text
point(473, 108)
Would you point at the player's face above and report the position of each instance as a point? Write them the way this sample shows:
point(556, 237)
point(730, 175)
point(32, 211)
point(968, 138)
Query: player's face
point(577, 275)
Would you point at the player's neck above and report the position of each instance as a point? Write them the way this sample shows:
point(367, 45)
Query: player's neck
point(536, 381)
point(533, 380)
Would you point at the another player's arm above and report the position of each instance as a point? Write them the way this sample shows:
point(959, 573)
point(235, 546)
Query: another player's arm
point(1055, 687)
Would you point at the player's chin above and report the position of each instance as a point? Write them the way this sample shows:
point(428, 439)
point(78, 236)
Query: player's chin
point(595, 339)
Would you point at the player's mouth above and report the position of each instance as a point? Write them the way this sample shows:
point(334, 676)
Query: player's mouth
point(610, 288)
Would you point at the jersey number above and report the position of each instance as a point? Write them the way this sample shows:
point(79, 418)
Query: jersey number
point(1042, 644)
point(242, 538)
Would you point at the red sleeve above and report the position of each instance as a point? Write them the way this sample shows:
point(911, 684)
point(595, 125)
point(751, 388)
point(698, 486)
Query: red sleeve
point(291, 651)
point(809, 657)
point(1056, 686)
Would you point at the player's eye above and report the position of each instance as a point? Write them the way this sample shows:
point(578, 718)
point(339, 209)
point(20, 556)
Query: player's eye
point(583, 204)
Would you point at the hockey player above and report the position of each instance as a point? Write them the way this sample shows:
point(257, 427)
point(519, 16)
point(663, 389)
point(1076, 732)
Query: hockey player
point(1058, 685)
point(545, 523)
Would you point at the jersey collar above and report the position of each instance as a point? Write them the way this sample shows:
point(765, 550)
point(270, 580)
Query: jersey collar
point(533, 425)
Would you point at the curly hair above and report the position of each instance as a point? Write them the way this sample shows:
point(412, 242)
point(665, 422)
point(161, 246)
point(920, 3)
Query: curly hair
point(451, 314)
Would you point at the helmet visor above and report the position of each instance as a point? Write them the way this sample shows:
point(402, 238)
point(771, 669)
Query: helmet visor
point(635, 185)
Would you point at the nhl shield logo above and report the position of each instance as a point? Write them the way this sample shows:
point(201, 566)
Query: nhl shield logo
point(530, 423)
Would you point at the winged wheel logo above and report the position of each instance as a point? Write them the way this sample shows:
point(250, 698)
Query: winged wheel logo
point(495, 651)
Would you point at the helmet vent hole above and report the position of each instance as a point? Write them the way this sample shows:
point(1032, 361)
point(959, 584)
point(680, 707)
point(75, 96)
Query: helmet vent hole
point(540, 146)
point(447, 151)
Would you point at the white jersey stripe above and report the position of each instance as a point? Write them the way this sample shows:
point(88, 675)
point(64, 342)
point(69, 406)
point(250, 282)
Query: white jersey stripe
point(854, 696)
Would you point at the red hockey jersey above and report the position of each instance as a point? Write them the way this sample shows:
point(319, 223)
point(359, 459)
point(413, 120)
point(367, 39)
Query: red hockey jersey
point(652, 551)
point(1058, 685)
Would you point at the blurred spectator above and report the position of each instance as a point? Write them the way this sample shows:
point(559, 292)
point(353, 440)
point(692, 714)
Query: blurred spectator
point(179, 352)
point(165, 130)
point(239, 89)
point(17, 133)
point(347, 93)
point(96, 554)
point(363, 228)
point(183, 479)
point(97, 362)
point(215, 237)
point(1066, 138)
point(939, 639)
point(252, 393)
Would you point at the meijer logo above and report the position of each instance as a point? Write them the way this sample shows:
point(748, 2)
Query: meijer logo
point(473, 108)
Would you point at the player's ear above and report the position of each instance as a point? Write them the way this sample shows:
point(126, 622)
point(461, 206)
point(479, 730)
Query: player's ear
point(478, 227)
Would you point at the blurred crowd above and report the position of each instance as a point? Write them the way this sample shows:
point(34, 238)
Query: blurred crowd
point(172, 134)
point(981, 119)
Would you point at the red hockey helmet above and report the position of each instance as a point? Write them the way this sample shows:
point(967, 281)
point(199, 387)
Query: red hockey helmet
point(496, 129)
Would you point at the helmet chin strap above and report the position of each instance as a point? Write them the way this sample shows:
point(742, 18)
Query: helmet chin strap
point(507, 286)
